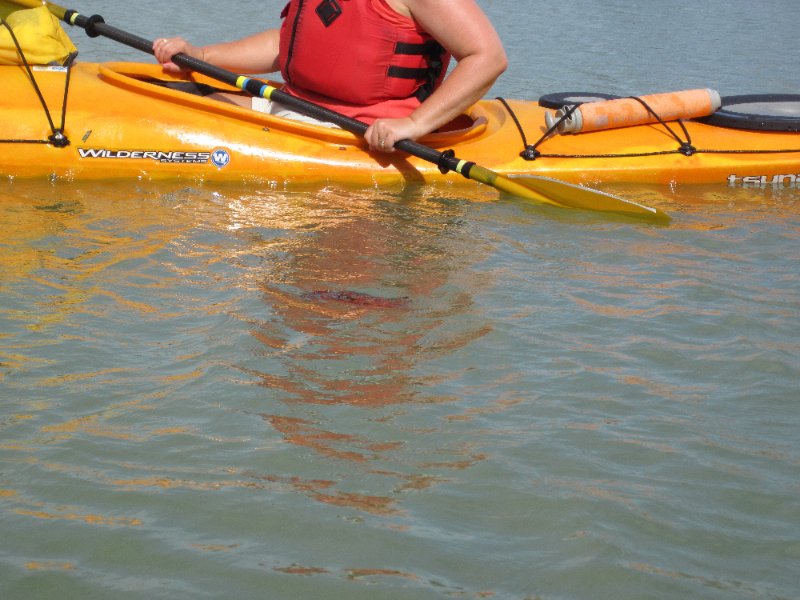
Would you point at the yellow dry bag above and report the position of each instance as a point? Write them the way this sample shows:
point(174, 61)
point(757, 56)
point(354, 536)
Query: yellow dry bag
point(39, 35)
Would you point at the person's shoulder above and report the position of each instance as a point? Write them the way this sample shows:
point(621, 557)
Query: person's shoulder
point(413, 6)
point(400, 6)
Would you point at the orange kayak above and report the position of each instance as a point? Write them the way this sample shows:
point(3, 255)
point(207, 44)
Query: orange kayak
point(132, 120)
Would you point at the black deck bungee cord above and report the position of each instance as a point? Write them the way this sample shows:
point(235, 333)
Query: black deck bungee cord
point(57, 137)
point(531, 151)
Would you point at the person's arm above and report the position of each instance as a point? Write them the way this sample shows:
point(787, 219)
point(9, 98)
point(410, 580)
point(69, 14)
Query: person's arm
point(466, 32)
point(257, 53)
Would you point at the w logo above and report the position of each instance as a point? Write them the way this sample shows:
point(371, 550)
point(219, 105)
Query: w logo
point(220, 158)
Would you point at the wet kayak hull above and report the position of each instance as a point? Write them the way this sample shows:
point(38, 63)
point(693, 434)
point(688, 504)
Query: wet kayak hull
point(121, 122)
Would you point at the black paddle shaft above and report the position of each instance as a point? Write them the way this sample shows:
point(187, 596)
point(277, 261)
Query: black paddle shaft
point(96, 26)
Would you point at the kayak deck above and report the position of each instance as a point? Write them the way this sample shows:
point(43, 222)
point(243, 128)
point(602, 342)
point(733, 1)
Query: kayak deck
point(119, 124)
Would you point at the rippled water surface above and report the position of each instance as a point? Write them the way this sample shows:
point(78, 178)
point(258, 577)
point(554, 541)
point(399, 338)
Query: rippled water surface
point(238, 392)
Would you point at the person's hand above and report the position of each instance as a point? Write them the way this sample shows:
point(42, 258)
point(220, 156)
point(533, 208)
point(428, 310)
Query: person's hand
point(383, 134)
point(165, 48)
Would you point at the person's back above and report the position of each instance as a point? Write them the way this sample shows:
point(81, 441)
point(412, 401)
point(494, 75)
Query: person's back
point(361, 58)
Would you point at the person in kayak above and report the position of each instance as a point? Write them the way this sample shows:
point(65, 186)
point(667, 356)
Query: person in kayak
point(380, 61)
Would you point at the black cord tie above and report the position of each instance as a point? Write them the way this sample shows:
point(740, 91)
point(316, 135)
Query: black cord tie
point(684, 147)
point(531, 152)
point(57, 137)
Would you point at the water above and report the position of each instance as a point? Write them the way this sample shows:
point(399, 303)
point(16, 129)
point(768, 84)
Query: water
point(227, 391)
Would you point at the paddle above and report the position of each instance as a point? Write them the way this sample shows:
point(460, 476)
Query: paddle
point(538, 189)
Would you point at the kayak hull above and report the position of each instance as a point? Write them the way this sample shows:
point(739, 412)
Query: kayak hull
point(118, 124)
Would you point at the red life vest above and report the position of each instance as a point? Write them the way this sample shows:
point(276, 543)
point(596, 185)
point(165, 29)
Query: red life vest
point(358, 57)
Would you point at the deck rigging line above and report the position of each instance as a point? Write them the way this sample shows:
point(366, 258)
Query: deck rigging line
point(57, 137)
point(531, 152)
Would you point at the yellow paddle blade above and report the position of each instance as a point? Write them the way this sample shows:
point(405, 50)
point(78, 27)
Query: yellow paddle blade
point(559, 193)
point(510, 186)
point(577, 196)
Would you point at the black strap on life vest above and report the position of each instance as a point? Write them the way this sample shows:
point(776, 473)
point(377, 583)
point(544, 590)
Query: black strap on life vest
point(434, 52)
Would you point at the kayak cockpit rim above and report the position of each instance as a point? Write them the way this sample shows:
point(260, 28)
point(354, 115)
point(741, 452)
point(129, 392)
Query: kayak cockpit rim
point(148, 79)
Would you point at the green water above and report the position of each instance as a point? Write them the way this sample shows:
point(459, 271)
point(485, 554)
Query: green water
point(229, 392)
